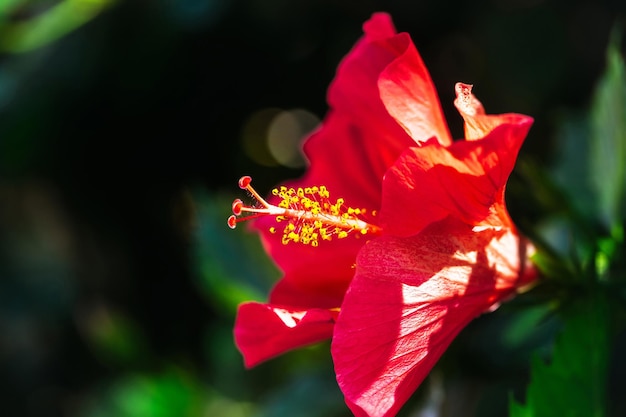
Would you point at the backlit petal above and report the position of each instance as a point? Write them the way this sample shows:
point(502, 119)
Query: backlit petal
point(478, 124)
point(410, 96)
point(465, 180)
point(410, 297)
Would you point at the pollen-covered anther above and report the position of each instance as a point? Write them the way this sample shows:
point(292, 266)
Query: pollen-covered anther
point(310, 214)
point(237, 207)
point(244, 182)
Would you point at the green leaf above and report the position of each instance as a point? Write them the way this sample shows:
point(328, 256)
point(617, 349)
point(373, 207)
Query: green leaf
point(573, 384)
point(608, 129)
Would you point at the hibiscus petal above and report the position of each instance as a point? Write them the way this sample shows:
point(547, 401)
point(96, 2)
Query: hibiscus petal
point(379, 27)
point(410, 97)
point(477, 124)
point(314, 277)
point(358, 140)
point(410, 297)
point(350, 157)
point(465, 180)
point(349, 154)
point(264, 331)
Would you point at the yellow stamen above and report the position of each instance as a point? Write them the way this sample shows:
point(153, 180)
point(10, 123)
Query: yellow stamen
point(310, 214)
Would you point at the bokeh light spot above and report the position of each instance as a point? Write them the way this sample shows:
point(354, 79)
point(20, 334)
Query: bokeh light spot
point(253, 136)
point(285, 134)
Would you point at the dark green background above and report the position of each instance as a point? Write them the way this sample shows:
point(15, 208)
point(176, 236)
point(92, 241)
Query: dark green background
point(119, 156)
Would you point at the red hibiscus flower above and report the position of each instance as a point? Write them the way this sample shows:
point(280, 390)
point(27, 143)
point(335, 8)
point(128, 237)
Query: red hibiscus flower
point(414, 244)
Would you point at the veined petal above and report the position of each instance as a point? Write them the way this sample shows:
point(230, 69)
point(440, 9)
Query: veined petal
point(410, 97)
point(263, 331)
point(465, 180)
point(408, 300)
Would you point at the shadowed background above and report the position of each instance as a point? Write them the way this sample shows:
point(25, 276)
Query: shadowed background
point(124, 126)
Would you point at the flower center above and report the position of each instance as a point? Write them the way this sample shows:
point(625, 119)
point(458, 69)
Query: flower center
point(309, 214)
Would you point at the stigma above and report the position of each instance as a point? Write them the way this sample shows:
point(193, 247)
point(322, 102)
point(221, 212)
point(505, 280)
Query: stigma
point(308, 213)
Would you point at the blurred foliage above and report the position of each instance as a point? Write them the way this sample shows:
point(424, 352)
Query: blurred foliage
point(42, 27)
point(608, 142)
point(574, 382)
point(122, 129)
point(169, 394)
point(238, 269)
point(585, 235)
